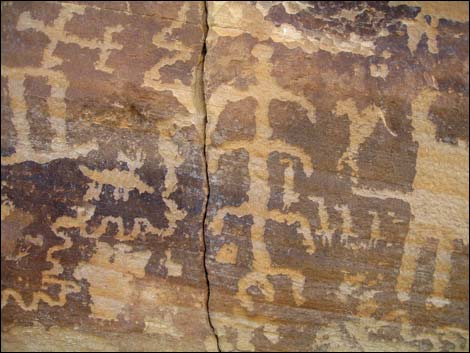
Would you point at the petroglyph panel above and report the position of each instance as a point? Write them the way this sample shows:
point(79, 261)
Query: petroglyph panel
point(337, 153)
point(103, 176)
point(335, 137)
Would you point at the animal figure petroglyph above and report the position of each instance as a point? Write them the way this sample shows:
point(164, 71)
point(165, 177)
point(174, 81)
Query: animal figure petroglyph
point(123, 181)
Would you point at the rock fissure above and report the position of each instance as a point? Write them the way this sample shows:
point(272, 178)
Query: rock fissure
point(234, 176)
point(204, 219)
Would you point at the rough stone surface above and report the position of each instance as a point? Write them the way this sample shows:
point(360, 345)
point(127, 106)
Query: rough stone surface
point(103, 176)
point(337, 151)
point(335, 138)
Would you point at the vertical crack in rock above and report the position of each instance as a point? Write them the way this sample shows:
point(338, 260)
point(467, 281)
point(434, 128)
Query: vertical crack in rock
point(103, 188)
point(334, 142)
point(324, 226)
point(204, 52)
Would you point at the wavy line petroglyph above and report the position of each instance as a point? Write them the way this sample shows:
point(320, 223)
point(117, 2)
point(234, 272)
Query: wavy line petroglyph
point(307, 189)
point(118, 190)
point(49, 277)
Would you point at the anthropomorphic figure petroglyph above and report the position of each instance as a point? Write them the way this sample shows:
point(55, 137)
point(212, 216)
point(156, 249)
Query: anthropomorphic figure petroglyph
point(313, 131)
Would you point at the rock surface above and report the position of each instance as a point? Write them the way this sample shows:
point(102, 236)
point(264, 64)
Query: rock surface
point(103, 176)
point(335, 138)
point(337, 151)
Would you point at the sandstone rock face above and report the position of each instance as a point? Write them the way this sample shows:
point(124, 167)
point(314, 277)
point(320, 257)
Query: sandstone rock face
point(235, 176)
point(337, 151)
point(103, 176)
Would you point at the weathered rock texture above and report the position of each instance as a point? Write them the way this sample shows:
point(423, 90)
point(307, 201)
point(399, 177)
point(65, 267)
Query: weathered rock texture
point(337, 151)
point(336, 142)
point(103, 176)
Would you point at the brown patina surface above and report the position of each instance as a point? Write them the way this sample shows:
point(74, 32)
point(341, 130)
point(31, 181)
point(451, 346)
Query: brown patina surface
point(338, 213)
point(103, 176)
point(335, 138)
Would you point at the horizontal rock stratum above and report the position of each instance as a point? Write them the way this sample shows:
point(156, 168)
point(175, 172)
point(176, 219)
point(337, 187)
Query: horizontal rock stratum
point(235, 176)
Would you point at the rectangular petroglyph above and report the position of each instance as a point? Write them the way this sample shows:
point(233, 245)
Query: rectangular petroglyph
point(235, 176)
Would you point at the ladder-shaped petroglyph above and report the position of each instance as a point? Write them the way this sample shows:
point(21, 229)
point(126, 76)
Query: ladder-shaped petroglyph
point(123, 180)
point(59, 83)
point(432, 207)
point(430, 215)
point(16, 77)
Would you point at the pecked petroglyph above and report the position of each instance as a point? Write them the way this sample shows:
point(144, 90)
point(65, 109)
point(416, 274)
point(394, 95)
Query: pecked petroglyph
point(104, 154)
point(320, 154)
point(257, 204)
